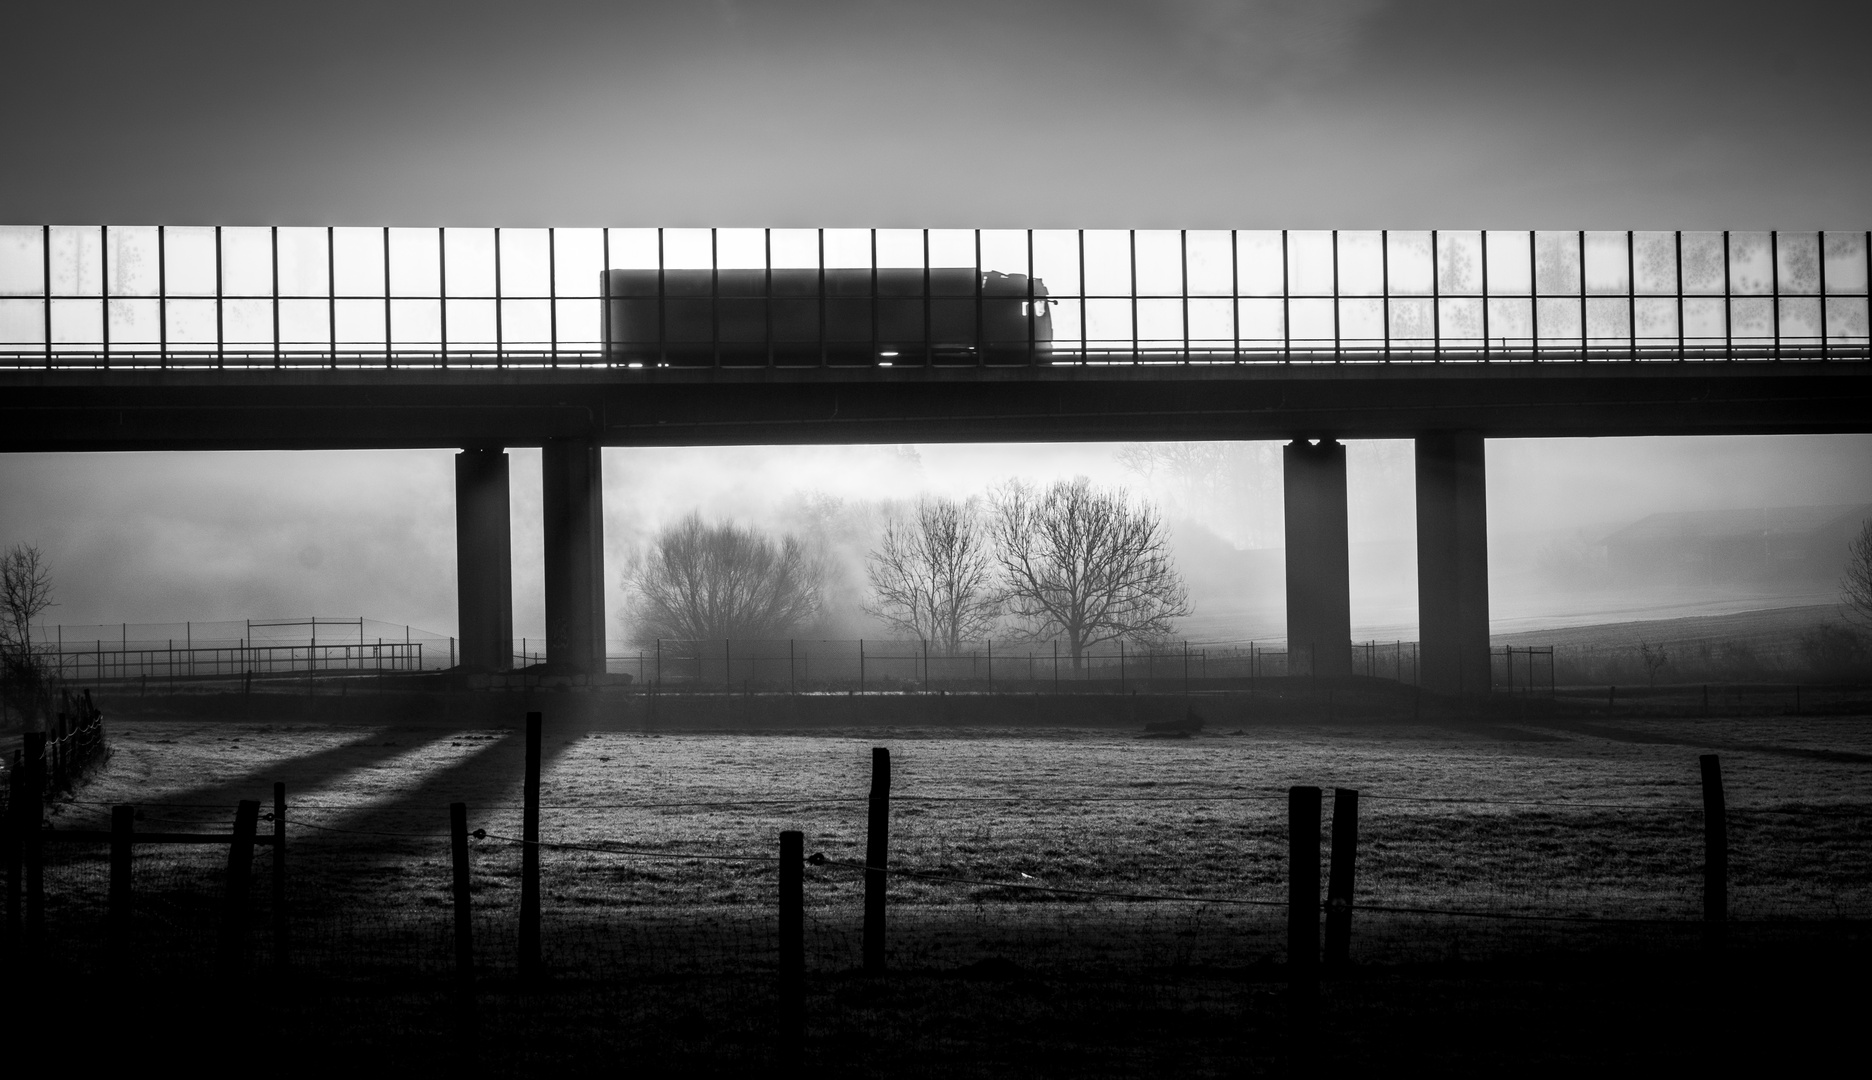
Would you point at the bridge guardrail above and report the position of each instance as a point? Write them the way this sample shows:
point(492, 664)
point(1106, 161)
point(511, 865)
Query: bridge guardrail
point(82, 297)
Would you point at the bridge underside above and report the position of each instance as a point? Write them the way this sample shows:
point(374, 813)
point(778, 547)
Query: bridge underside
point(142, 409)
point(1449, 409)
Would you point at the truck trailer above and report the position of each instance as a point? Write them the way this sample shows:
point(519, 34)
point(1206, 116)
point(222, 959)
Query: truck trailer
point(844, 316)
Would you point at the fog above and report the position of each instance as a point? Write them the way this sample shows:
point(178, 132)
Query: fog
point(203, 536)
point(1038, 113)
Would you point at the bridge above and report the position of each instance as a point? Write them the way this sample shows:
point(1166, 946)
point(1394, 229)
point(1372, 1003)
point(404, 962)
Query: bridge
point(204, 337)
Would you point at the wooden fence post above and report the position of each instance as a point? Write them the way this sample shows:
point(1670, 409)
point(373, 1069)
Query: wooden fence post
point(464, 922)
point(529, 856)
point(1303, 907)
point(14, 841)
point(32, 806)
point(1715, 855)
point(54, 769)
point(123, 823)
point(239, 879)
point(1339, 879)
point(282, 928)
point(877, 855)
point(792, 1004)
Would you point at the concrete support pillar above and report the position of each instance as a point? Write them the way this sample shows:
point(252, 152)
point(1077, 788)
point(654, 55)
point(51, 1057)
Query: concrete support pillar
point(1319, 586)
point(570, 481)
point(1452, 563)
point(483, 560)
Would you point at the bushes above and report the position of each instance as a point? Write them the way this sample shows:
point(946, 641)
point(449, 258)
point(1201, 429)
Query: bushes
point(1824, 652)
point(1835, 652)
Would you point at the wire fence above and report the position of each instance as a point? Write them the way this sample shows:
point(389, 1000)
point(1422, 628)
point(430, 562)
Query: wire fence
point(1822, 654)
point(235, 648)
point(287, 649)
point(864, 665)
point(71, 746)
point(255, 651)
point(1083, 882)
point(1529, 671)
point(320, 647)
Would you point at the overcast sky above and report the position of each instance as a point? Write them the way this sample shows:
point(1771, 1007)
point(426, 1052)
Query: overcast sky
point(1177, 113)
point(1172, 113)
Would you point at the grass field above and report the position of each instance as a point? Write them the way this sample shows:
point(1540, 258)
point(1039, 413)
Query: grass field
point(1557, 814)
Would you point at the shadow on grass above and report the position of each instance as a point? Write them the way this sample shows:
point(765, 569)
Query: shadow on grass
point(307, 772)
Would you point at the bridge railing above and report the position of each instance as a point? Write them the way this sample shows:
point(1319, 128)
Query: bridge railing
point(288, 297)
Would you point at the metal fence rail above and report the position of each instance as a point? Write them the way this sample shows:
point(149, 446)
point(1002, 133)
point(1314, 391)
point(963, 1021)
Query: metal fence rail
point(1523, 670)
point(238, 647)
point(864, 665)
point(325, 647)
point(96, 665)
point(214, 297)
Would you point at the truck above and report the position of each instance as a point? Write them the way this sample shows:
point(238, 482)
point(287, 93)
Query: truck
point(842, 316)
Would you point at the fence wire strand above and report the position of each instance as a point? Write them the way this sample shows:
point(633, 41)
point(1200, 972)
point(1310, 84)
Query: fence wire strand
point(365, 898)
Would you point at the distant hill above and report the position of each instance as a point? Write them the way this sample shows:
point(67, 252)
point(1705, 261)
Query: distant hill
point(1773, 626)
point(1783, 543)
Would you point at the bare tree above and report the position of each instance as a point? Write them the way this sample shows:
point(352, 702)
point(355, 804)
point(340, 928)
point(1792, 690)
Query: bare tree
point(1084, 563)
point(933, 574)
point(1655, 658)
point(701, 581)
point(25, 594)
point(1856, 585)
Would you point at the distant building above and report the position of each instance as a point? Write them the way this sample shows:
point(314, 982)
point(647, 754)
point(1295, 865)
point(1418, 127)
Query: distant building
point(1779, 544)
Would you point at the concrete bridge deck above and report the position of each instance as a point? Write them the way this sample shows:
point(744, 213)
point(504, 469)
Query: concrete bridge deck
point(193, 408)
